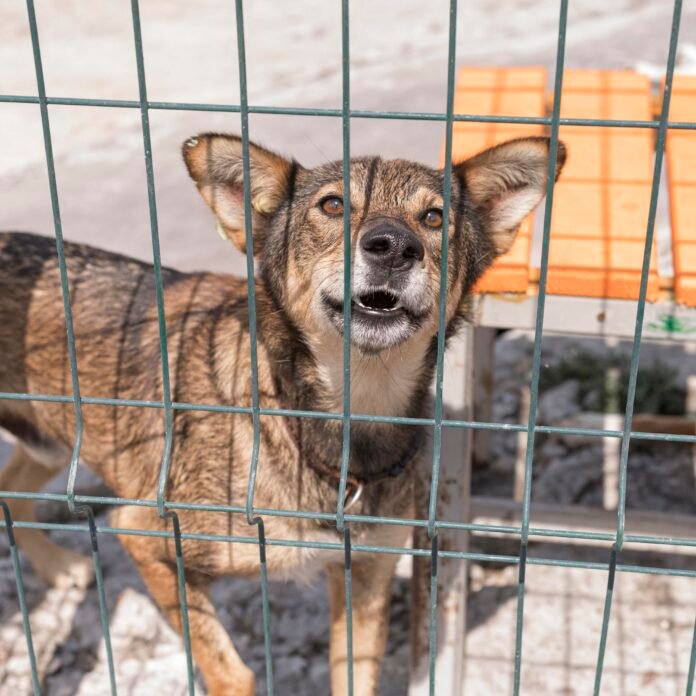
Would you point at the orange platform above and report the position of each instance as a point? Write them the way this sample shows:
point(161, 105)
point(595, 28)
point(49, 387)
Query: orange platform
point(681, 172)
point(500, 92)
point(601, 200)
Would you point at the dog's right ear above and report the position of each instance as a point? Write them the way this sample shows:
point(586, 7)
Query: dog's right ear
point(506, 182)
point(215, 163)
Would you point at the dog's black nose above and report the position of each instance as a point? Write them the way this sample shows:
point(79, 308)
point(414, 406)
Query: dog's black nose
point(394, 246)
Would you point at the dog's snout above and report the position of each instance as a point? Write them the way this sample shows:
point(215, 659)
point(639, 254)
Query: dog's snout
point(394, 246)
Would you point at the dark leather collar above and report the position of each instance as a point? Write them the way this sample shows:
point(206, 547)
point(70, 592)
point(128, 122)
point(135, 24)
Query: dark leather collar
point(356, 484)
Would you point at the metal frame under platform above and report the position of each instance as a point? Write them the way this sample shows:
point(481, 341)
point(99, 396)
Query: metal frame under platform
point(665, 320)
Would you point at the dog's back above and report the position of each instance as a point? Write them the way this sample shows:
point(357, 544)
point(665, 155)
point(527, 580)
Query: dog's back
point(109, 294)
point(117, 345)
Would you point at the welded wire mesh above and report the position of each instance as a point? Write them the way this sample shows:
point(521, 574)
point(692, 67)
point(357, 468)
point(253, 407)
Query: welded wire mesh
point(79, 504)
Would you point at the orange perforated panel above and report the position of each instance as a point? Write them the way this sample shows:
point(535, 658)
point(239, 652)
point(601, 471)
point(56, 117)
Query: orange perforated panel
point(518, 91)
point(601, 202)
point(681, 171)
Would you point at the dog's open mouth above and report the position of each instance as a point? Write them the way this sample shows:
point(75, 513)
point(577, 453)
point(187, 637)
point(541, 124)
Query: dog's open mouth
point(370, 305)
point(379, 318)
point(378, 302)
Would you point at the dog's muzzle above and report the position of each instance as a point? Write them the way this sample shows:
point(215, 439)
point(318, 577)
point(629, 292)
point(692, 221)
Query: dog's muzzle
point(389, 291)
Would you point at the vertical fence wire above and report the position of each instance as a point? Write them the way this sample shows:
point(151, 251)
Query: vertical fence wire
point(604, 633)
point(181, 586)
point(347, 261)
point(70, 335)
point(249, 238)
point(440, 355)
point(156, 258)
point(635, 352)
point(265, 609)
point(341, 525)
point(62, 266)
point(538, 335)
point(251, 304)
point(21, 597)
point(442, 298)
point(691, 676)
point(348, 562)
point(432, 614)
point(649, 235)
point(101, 595)
point(162, 328)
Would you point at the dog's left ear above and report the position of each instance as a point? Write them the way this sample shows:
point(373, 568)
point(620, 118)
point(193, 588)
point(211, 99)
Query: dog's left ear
point(215, 163)
point(506, 183)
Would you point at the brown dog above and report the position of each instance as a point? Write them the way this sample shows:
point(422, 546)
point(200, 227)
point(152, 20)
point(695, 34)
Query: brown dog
point(298, 237)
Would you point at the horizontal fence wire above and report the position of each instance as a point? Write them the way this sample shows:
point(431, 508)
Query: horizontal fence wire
point(359, 548)
point(82, 505)
point(643, 539)
point(359, 417)
point(354, 113)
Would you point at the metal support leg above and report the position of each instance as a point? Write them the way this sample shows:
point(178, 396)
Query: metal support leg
point(521, 450)
point(611, 446)
point(483, 369)
point(453, 505)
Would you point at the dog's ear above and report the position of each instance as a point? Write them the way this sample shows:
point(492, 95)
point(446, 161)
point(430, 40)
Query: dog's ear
point(215, 163)
point(506, 183)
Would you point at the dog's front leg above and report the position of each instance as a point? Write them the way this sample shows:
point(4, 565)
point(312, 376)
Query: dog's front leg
point(371, 587)
point(222, 668)
point(213, 651)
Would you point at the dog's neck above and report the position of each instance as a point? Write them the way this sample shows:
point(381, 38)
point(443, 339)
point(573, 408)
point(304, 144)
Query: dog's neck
point(308, 375)
point(382, 384)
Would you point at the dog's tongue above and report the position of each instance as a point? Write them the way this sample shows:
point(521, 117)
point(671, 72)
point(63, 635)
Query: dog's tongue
point(378, 300)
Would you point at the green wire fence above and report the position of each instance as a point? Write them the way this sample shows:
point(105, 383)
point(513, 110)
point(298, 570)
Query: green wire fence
point(79, 504)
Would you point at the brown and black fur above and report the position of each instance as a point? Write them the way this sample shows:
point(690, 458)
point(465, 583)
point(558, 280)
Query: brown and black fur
point(300, 253)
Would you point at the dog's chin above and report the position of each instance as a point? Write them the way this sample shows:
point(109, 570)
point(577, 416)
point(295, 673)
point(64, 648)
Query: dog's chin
point(374, 328)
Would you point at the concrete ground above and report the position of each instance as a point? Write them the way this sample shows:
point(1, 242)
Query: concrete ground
point(293, 55)
point(398, 62)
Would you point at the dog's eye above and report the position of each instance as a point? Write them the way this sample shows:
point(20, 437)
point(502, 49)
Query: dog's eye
point(432, 218)
point(332, 205)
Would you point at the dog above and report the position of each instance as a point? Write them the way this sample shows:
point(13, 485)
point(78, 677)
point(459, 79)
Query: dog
point(297, 229)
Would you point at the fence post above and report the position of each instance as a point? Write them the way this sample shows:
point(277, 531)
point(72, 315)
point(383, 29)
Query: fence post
point(453, 505)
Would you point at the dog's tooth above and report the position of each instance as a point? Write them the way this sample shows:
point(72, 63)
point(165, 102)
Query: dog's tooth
point(192, 142)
